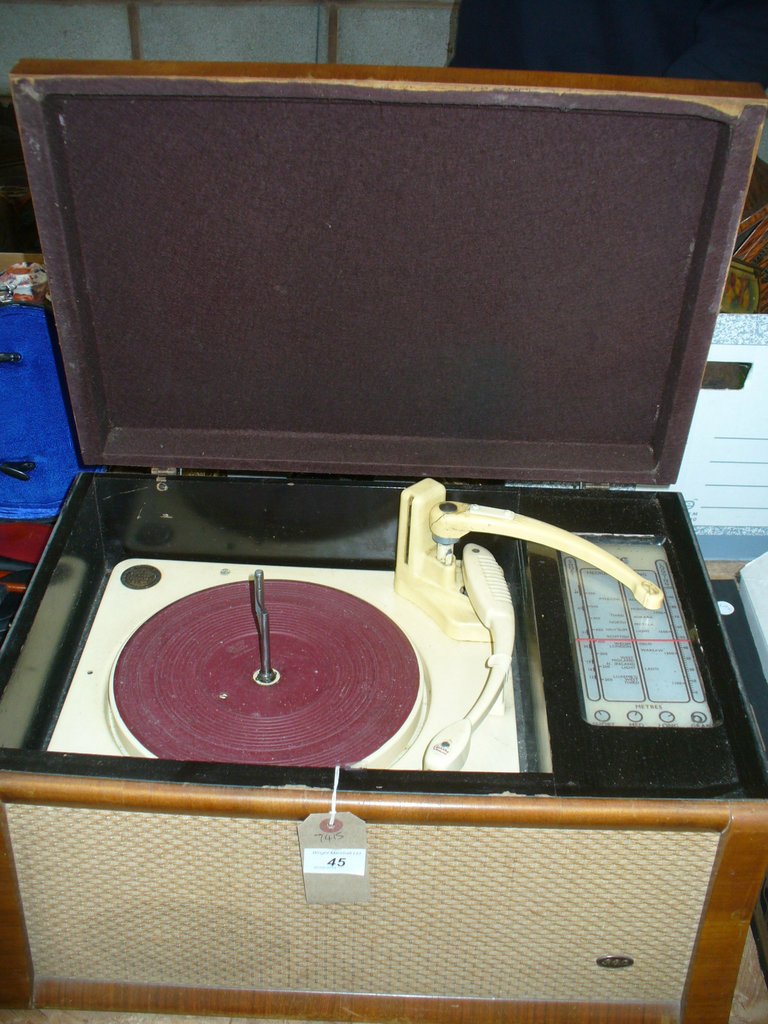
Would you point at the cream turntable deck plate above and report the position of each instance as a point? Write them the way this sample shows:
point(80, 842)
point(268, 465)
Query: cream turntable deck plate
point(452, 673)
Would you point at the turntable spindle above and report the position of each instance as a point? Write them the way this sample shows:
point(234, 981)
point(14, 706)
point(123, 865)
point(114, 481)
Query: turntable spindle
point(266, 675)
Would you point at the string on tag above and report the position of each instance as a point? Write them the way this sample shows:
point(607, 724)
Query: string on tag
point(332, 818)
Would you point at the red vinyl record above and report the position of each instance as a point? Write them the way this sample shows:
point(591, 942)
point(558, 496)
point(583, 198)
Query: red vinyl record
point(183, 687)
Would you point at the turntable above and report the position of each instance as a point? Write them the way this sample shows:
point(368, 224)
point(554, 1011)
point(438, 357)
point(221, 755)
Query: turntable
point(398, 551)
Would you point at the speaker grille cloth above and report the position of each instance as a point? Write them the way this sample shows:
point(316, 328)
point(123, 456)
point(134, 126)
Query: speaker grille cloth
point(456, 911)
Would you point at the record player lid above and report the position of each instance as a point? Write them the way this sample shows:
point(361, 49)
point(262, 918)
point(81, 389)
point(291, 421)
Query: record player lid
point(384, 271)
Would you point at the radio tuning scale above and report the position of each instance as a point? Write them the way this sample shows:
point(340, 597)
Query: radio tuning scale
point(636, 665)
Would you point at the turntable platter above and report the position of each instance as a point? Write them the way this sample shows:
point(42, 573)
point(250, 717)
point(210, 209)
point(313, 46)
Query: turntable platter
point(183, 686)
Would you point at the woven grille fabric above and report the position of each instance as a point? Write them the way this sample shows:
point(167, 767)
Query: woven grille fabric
point(455, 911)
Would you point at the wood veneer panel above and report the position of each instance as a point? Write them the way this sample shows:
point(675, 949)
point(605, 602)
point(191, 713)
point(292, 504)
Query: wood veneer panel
point(322, 1006)
point(738, 875)
point(437, 76)
point(15, 964)
point(408, 808)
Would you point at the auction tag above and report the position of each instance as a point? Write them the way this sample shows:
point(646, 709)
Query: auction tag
point(334, 858)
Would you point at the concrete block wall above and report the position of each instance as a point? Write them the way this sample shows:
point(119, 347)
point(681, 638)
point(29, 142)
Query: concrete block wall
point(400, 32)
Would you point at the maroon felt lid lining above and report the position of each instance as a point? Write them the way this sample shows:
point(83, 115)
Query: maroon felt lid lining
point(333, 277)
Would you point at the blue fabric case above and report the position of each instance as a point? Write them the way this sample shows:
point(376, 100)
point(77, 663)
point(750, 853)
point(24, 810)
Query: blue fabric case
point(36, 424)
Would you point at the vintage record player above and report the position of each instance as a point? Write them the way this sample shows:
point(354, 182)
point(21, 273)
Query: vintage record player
point(404, 355)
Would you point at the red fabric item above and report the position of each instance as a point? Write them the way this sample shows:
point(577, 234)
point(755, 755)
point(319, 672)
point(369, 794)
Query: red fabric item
point(24, 541)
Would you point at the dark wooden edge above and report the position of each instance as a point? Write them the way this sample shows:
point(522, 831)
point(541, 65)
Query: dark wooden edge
point(420, 75)
point(295, 803)
point(43, 177)
point(739, 872)
point(338, 1007)
point(16, 976)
